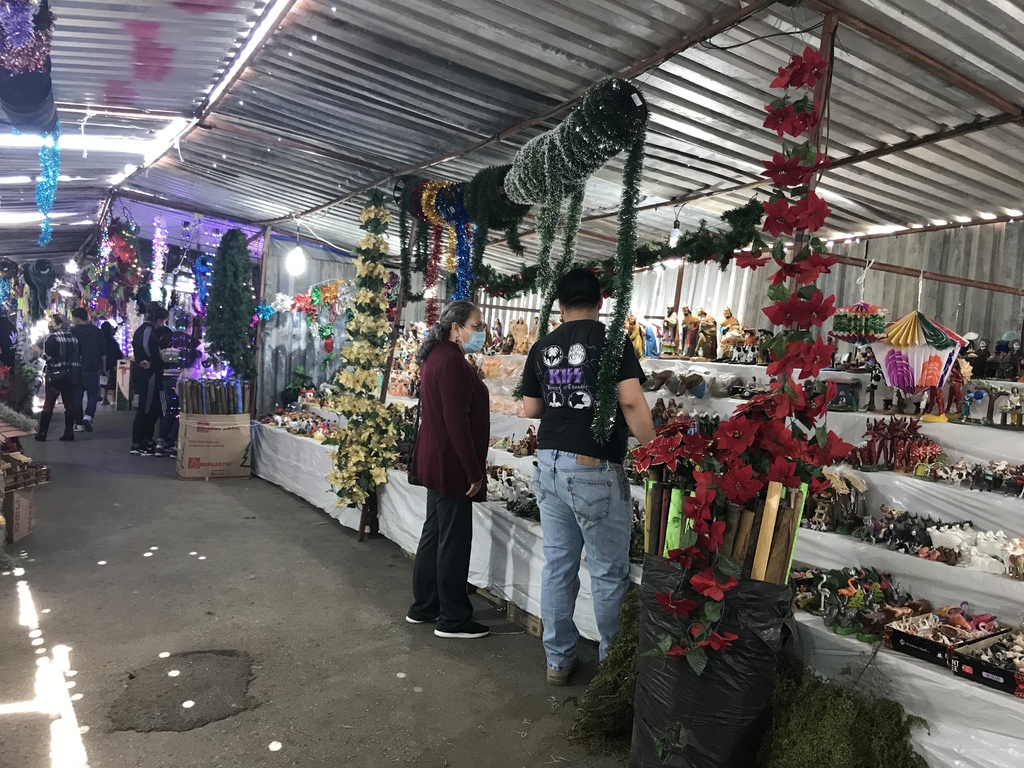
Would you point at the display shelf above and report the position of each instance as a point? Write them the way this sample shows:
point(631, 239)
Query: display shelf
point(968, 725)
point(940, 583)
point(986, 509)
point(746, 372)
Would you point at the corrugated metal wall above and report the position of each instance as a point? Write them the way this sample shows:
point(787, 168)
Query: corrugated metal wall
point(992, 253)
point(285, 341)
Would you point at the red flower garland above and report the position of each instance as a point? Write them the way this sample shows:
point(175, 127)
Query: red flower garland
point(773, 437)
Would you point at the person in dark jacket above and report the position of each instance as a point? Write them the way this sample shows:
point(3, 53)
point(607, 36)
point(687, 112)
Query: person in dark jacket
point(63, 368)
point(113, 354)
point(8, 341)
point(147, 379)
point(450, 460)
point(93, 349)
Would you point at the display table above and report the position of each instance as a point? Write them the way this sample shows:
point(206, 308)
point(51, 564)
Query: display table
point(745, 372)
point(300, 466)
point(938, 582)
point(969, 726)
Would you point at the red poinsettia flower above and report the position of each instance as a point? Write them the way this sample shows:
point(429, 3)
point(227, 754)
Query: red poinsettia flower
point(699, 504)
point(835, 448)
point(677, 651)
point(719, 642)
point(777, 439)
point(779, 218)
point(813, 67)
point(748, 260)
point(820, 485)
point(716, 535)
point(791, 357)
point(802, 313)
point(784, 172)
point(705, 584)
point(681, 608)
point(811, 212)
point(819, 355)
point(784, 120)
point(685, 557)
point(789, 399)
point(805, 271)
point(696, 629)
point(740, 484)
point(818, 406)
point(783, 471)
point(734, 436)
point(785, 77)
point(807, 120)
point(693, 447)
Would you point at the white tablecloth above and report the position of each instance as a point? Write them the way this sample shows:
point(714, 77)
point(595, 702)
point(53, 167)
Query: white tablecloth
point(969, 726)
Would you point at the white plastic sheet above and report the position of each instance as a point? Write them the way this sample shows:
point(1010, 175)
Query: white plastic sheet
point(969, 726)
point(940, 583)
point(300, 466)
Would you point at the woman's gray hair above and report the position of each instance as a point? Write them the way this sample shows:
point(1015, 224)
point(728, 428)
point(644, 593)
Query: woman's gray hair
point(455, 313)
point(62, 321)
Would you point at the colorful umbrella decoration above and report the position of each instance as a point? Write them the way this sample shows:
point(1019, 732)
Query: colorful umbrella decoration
point(859, 324)
point(917, 353)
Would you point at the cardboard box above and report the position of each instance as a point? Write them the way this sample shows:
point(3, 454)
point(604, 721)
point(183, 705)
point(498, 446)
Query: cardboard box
point(896, 639)
point(19, 510)
point(213, 447)
point(966, 664)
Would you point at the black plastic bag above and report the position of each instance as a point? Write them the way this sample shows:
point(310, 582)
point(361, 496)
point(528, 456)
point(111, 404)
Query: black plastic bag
point(718, 719)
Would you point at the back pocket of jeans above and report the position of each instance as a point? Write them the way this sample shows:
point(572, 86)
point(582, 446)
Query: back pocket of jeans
point(591, 499)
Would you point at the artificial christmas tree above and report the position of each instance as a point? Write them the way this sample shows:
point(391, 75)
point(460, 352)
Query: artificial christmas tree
point(231, 306)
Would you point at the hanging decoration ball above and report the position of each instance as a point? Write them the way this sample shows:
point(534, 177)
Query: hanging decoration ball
point(329, 344)
point(859, 324)
point(917, 353)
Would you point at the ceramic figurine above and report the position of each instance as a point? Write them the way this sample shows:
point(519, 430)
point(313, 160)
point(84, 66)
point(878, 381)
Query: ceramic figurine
point(690, 328)
point(729, 321)
point(658, 413)
point(707, 340)
point(636, 335)
point(670, 333)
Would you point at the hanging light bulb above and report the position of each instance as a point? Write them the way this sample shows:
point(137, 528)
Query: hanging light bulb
point(295, 261)
point(675, 234)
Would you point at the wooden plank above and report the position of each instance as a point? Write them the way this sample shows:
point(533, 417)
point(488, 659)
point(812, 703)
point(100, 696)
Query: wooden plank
point(764, 539)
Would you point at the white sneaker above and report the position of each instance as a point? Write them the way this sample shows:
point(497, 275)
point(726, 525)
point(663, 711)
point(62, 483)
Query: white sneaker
point(79, 428)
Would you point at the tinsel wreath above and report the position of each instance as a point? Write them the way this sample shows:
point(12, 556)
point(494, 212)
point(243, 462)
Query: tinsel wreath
point(451, 207)
point(625, 259)
point(40, 277)
point(46, 187)
point(231, 306)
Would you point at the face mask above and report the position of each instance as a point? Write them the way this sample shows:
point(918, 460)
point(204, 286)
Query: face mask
point(475, 343)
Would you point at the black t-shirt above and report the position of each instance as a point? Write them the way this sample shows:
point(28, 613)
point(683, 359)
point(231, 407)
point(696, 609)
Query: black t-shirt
point(562, 370)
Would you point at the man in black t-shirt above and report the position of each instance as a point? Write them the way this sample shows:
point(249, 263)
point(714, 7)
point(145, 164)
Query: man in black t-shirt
point(580, 484)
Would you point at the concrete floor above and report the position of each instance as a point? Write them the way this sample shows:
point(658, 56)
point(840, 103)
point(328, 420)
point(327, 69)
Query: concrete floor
point(338, 677)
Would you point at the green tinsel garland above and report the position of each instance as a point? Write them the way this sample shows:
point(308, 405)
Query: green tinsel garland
point(625, 259)
point(573, 215)
point(490, 209)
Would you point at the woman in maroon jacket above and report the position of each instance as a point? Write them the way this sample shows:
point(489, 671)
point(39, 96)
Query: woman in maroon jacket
point(450, 460)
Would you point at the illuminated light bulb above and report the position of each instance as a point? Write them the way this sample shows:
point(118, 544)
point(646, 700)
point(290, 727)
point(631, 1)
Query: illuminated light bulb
point(295, 261)
point(674, 235)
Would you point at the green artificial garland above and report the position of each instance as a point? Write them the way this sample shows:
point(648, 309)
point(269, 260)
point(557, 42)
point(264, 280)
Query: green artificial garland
point(487, 205)
point(605, 410)
point(573, 215)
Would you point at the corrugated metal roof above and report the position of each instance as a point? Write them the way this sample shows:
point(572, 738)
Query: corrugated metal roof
point(349, 92)
point(150, 56)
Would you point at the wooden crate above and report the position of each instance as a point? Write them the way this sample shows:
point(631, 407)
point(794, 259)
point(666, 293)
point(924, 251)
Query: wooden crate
point(527, 621)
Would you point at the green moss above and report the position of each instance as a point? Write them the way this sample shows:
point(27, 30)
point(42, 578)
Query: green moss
point(817, 723)
point(605, 716)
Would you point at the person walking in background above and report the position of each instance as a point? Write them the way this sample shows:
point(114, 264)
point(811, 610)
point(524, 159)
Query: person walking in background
point(581, 487)
point(93, 348)
point(449, 459)
point(166, 442)
point(147, 379)
point(113, 354)
point(62, 376)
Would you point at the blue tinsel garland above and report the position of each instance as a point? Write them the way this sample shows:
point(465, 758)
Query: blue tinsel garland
point(46, 187)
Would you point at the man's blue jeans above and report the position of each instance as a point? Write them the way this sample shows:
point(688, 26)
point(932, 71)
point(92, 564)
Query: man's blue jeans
point(581, 505)
point(90, 393)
